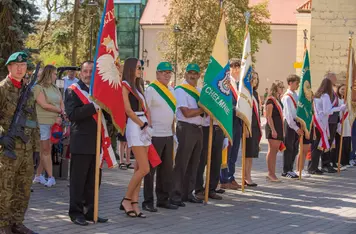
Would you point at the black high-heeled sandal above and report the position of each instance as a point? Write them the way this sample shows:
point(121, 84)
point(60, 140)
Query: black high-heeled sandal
point(130, 213)
point(140, 215)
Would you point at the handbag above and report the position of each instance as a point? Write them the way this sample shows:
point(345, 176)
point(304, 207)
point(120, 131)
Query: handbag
point(153, 157)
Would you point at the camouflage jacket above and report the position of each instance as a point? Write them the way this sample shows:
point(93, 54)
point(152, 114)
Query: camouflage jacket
point(9, 96)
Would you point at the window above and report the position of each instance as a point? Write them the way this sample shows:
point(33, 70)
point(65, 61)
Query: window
point(128, 28)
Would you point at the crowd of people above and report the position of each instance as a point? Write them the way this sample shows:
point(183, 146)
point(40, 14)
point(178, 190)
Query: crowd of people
point(172, 121)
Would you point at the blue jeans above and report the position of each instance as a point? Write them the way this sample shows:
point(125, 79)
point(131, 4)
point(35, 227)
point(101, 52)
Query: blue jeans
point(353, 139)
point(227, 174)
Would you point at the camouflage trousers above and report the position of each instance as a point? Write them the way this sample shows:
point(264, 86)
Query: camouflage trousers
point(15, 187)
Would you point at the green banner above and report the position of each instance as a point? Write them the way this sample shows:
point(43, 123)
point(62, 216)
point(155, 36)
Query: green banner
point(305, 108)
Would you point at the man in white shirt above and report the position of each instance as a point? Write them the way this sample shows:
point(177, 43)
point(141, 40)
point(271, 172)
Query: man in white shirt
point(291, 130)
point(69, 79)
point(190, 138)
point(161, 103)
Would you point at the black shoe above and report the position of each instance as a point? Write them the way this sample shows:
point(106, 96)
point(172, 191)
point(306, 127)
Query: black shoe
point(251, 185)
point(79, 221)
point(221, 191)
point(319, 172)
point(148, 207)
point(177, 203)
point(289, 174)
point(215, 196)
point(100, 220)
point(168, 206)
point(195, 200)
point(329, 169)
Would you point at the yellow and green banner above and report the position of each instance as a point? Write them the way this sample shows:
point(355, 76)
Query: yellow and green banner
point(215, 97)
point(192, 91)
point(164, 92)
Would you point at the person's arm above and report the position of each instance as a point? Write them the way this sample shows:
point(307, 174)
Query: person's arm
point(182, 104)
point(129, 112)
point(269, 110)
point(149, 92)
point(289, 105)
point(189, 113)
point(75, 109)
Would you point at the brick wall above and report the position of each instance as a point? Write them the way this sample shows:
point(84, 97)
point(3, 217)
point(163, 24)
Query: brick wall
point(331, 21)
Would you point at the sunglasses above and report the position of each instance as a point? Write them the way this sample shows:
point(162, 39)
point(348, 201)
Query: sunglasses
point(140, 68)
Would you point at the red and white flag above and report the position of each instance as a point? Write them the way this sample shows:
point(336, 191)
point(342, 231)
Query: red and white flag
point(106, 88)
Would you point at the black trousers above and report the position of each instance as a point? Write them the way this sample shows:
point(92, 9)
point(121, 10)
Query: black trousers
point(291, 141)
point(164, 148)
point(315, 152)
point(216, 156)
point(327, 157)
point(345, 152)
point(190, 139)
point(82, 185)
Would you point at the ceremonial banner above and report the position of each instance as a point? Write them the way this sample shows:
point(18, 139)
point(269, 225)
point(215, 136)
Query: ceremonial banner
point(304, 107)
point(351, 93)
point(106, 89)
point(244, 102)
point(215, 97)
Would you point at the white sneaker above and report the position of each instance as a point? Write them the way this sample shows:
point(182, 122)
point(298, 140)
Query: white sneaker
point(352, 163)
point(39, 180)
point(305, 174)
point(51, 182)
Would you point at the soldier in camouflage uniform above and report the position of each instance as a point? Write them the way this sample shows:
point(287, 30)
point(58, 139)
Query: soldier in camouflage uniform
point(16, 175)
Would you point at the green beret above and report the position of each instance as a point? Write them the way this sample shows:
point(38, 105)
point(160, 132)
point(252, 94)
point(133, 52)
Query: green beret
point(193, 67)
point(164, 66)
point(18, 57)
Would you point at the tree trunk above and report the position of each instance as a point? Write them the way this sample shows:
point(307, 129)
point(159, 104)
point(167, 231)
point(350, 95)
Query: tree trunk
point(75, 32)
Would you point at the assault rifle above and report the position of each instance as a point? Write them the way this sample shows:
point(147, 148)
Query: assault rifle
point(19, 119)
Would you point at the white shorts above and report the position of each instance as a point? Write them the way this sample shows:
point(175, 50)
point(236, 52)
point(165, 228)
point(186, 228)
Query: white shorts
point(45, 131)
point(133, 132)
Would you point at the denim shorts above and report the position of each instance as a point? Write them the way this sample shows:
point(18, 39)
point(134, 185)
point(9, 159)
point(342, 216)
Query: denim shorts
point(45, 131)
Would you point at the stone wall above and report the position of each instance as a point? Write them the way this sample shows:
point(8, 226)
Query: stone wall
point(330, 25)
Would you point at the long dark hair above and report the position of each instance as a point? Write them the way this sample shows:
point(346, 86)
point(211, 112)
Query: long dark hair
point(129, 75)
point(45, 78)
point(256, 76)
point(326, 86)
point(338, 91)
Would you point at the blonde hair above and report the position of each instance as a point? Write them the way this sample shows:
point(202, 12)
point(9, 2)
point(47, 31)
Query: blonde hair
point(274, 88)
point(45, 78)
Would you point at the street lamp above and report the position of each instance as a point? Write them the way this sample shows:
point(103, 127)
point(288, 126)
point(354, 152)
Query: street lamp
point(176, 31)
point(144, 57)
point(91, 3)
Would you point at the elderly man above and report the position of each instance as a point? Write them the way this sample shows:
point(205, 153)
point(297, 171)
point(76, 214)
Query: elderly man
point(16, 175)
point(161, 102)
point(80, 112)
point(190, 138)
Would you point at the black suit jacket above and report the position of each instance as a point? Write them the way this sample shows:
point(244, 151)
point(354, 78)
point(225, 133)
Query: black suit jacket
point(83, 126)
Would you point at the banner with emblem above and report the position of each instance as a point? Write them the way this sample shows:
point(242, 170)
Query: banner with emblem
point(106, 87)
point(215, 97)
point(351, 93)
point(304, 106)
point(244, 105)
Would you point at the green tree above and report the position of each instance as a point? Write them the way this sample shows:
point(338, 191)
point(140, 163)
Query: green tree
point(17, 18)
point(199, 20)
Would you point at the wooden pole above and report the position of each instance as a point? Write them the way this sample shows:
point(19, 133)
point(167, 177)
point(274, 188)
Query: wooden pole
point(345, 98)
point(208, 162)
point(301, 156)
point(75, 31)
point(243, 163)
point(97, 167)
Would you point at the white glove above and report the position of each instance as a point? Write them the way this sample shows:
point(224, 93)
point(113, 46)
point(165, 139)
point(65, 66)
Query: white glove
point(339, 128)
point(226, 143)
point(96, 106)
point(175, 139)
point(145, 138)
point(343, 107)
point(149, 131)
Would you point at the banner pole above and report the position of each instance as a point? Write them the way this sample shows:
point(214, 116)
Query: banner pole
point(208, 162)
point(243, 164)
point(97, 166)
point(301, 156)
point(345, 98)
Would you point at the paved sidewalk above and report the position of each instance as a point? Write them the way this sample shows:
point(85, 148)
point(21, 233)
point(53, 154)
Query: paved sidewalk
point(321, 204)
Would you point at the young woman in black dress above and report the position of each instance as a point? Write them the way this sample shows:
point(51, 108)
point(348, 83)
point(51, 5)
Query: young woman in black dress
point(253, 142)
point(274, 128)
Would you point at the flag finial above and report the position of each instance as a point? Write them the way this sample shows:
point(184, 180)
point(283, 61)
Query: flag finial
point(247, 17)
point(305, 31)
point(351, 34)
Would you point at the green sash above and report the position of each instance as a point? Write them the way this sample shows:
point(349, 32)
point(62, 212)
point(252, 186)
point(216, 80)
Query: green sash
point(164, 92)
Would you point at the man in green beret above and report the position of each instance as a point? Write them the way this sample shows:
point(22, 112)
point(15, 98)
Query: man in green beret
point(16, 175)
point(161, 102)
point(190, 118)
